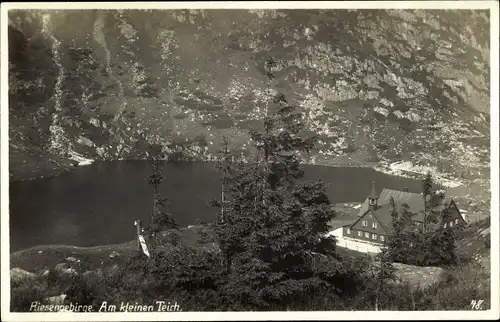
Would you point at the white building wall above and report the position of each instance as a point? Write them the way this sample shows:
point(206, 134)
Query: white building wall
point(353, 244)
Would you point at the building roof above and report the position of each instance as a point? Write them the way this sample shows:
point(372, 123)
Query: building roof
point(444, 204)
point(383, 214)
point(415, 201)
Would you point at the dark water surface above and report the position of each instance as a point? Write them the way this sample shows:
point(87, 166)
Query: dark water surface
point(98, 204)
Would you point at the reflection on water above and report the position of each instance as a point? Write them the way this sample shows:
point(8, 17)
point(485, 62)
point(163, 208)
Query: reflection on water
point(66, 225)
point(98, 204)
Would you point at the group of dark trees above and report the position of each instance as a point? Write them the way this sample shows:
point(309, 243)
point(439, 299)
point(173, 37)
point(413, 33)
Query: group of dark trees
point(273, 250)
point(273, 229)
point(430, 247)
point(273, 247)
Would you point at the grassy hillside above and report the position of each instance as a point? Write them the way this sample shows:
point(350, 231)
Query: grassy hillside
point(416, 288)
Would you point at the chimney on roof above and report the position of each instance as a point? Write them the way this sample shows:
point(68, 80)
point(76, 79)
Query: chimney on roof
point(406, 189)
point(372, 198)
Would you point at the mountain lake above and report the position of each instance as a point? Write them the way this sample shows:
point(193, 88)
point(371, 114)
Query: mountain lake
point(97, 204)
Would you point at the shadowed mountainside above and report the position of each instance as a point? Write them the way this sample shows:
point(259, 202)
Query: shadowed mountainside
point(374, 85)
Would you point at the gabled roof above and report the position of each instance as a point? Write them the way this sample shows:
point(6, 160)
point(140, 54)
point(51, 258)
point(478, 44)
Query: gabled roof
point(445, 203)
point(364, 208)
point(383, 215)
point(414, 200)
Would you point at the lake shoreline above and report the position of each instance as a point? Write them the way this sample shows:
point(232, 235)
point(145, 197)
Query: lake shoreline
point(52, 167)
point(40, 257)
point(25, 168)
point(386, 167)
point(348, 213)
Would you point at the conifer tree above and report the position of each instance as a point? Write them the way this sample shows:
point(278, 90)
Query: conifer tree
point(225, 167)
point(160, 218)
point(394, 246)
point(441, 248)
point(275, 232)
point(427, 194)
point(230, 172)
point(394, 212)
point(385, 272)
point(428, 184)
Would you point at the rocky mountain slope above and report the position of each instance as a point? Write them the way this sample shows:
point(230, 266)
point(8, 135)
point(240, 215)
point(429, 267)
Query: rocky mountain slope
point(375, 85)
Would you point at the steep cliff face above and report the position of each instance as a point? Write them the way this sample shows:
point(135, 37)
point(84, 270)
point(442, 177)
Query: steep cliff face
point(374, 85)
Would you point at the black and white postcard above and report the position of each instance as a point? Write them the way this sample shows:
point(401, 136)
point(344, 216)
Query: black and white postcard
point(249, 161)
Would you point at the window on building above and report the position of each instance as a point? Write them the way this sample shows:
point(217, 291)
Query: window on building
point(348, 231)
point(382, 238)
point(445, 225)
point(456, 221)
point(365, 223)
point(367, 235)
point(359, 233)
point(451, 223)
point(374, 225)
point(374, 236)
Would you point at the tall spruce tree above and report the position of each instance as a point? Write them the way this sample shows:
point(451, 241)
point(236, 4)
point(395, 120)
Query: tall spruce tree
point(226, 170)
point(274, 235)
point(161, 219)
point(396, 241)
point(385, 273)
point(428, 184)
point(427, 194)
point(382, 270)
point(230, 172)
